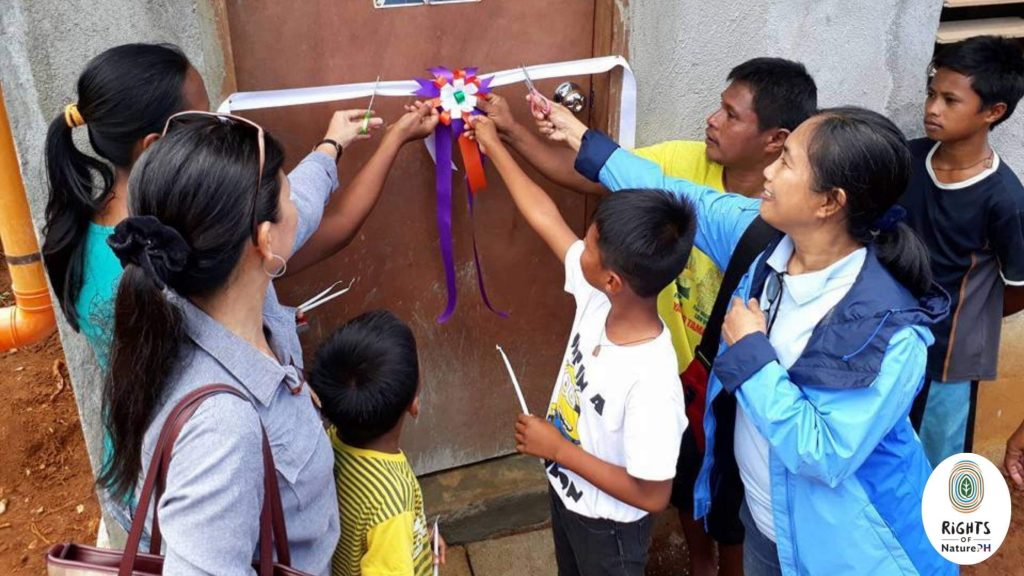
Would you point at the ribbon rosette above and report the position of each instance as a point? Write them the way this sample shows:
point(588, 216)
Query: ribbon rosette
point(455, 94)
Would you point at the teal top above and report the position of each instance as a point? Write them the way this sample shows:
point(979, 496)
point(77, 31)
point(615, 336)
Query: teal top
point(101, 271)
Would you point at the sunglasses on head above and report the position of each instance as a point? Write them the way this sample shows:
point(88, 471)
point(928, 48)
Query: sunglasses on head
point(196, 115)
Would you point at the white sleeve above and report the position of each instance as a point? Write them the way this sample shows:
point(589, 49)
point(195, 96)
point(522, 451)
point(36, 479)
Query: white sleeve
point(575, 283)
point(655, 419)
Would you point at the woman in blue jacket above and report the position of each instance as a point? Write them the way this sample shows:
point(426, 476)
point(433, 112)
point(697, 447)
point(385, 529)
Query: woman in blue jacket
point(824, 347)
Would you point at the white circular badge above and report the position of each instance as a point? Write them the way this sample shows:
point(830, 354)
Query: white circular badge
point(966, 508)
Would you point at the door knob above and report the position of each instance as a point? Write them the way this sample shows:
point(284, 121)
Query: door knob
point(571, 96)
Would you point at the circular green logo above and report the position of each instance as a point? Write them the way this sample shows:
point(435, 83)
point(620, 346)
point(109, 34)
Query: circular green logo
point(966, 486)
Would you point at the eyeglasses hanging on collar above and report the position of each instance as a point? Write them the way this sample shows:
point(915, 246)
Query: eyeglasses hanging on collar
point(773, 289)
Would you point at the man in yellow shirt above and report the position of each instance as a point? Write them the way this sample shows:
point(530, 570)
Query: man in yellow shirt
point(765, 100)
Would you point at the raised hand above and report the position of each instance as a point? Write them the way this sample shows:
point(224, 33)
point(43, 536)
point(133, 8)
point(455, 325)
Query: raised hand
point(560, 125)
point(417, 123)
point(497, 109)
point(346, 126)
point(485, 132)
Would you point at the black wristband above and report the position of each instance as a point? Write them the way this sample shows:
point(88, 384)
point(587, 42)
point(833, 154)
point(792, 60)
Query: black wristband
point(337, 147)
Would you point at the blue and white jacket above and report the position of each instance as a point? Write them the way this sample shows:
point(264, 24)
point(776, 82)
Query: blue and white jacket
point(847, 470)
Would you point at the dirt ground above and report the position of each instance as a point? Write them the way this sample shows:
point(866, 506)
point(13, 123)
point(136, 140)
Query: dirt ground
point(45, 481)
point(46, 492)
point(1009, 560)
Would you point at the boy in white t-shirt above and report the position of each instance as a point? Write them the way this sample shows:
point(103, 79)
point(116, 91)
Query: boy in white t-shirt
point(616, 417)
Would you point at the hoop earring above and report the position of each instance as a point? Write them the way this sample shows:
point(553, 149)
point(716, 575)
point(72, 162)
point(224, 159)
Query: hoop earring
point(280, 271)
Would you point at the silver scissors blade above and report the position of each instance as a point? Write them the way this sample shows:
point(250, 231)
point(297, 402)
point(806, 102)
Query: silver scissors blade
point(373, 95)
point(529, 81)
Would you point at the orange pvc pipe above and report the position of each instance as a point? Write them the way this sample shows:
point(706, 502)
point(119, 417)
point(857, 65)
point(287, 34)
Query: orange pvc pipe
point(31, 318)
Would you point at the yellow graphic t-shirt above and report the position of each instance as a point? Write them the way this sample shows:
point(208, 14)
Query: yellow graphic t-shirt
point(686, 304)
point(383, 530)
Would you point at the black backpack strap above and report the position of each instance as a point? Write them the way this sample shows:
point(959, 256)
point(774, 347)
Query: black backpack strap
point(758, 235)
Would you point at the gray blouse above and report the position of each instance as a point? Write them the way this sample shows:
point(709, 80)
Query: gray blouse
point(209, 513)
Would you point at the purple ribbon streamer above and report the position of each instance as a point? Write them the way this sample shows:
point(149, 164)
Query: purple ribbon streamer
point(476, 258)
point(444, 139)
point(459, 127)
point(443, 182)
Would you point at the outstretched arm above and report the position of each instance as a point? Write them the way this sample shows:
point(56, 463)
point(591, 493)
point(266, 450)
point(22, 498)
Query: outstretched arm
point(532, 201)
point(554, 162)
point(347, 211)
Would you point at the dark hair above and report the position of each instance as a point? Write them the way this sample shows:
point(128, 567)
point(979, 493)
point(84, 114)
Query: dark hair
point(366, 375)
point(192, 201)
point(866, 155)
point(646, 237)
point(995, 66)
point(124, 94)
point(784, 93)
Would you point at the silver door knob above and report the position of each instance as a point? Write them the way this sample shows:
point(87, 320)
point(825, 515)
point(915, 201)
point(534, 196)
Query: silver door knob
point(571, 96)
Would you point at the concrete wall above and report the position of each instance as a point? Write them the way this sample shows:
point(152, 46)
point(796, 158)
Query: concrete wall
point(871, 53)
point(45, 45)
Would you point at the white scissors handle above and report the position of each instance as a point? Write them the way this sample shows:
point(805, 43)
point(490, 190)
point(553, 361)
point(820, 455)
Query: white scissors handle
point(437, 546)
point(323, 297)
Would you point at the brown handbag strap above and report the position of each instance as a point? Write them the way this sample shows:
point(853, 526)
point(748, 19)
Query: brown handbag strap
point(273, 533)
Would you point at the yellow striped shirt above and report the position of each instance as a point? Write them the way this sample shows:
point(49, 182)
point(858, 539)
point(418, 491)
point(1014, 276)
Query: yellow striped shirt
point(383, 530)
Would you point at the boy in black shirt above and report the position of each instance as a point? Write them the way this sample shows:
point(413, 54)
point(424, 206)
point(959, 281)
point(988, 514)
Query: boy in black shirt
point(966, 205)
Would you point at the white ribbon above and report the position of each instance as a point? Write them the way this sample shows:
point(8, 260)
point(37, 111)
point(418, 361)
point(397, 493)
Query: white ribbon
point(515, 381)
point(405, 88)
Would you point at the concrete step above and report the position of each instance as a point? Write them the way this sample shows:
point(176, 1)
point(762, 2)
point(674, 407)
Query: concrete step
point(495, 517)
point(488, 499)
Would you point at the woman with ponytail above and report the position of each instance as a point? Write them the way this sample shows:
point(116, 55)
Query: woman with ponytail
point(823, 349)
point(211, 224)
point(213, 220)
point(124, 97)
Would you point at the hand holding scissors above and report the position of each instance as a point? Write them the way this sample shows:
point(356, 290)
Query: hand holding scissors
point(365, 129)
point(540, 106)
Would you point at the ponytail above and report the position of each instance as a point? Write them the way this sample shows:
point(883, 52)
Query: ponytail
point(124, 94)
point(71, 205)
point(866, 156)
point(905, 257)
point(144, 356)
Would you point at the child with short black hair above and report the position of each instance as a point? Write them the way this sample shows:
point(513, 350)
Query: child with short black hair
point(966, 205)
point(366, 375)
point(616, 416)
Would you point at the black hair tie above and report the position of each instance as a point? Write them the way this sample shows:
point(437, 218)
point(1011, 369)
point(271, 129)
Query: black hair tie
point(146, 242)
point(888, 221)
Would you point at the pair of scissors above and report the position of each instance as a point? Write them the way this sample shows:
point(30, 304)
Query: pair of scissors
point(324, 297)
point(365, 129)
point(539, 104)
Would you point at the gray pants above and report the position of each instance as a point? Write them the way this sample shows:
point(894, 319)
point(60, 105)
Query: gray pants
point(592, 547)
point(760, 555)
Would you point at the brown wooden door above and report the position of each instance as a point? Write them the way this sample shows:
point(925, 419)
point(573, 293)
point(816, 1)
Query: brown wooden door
point(468, 406)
